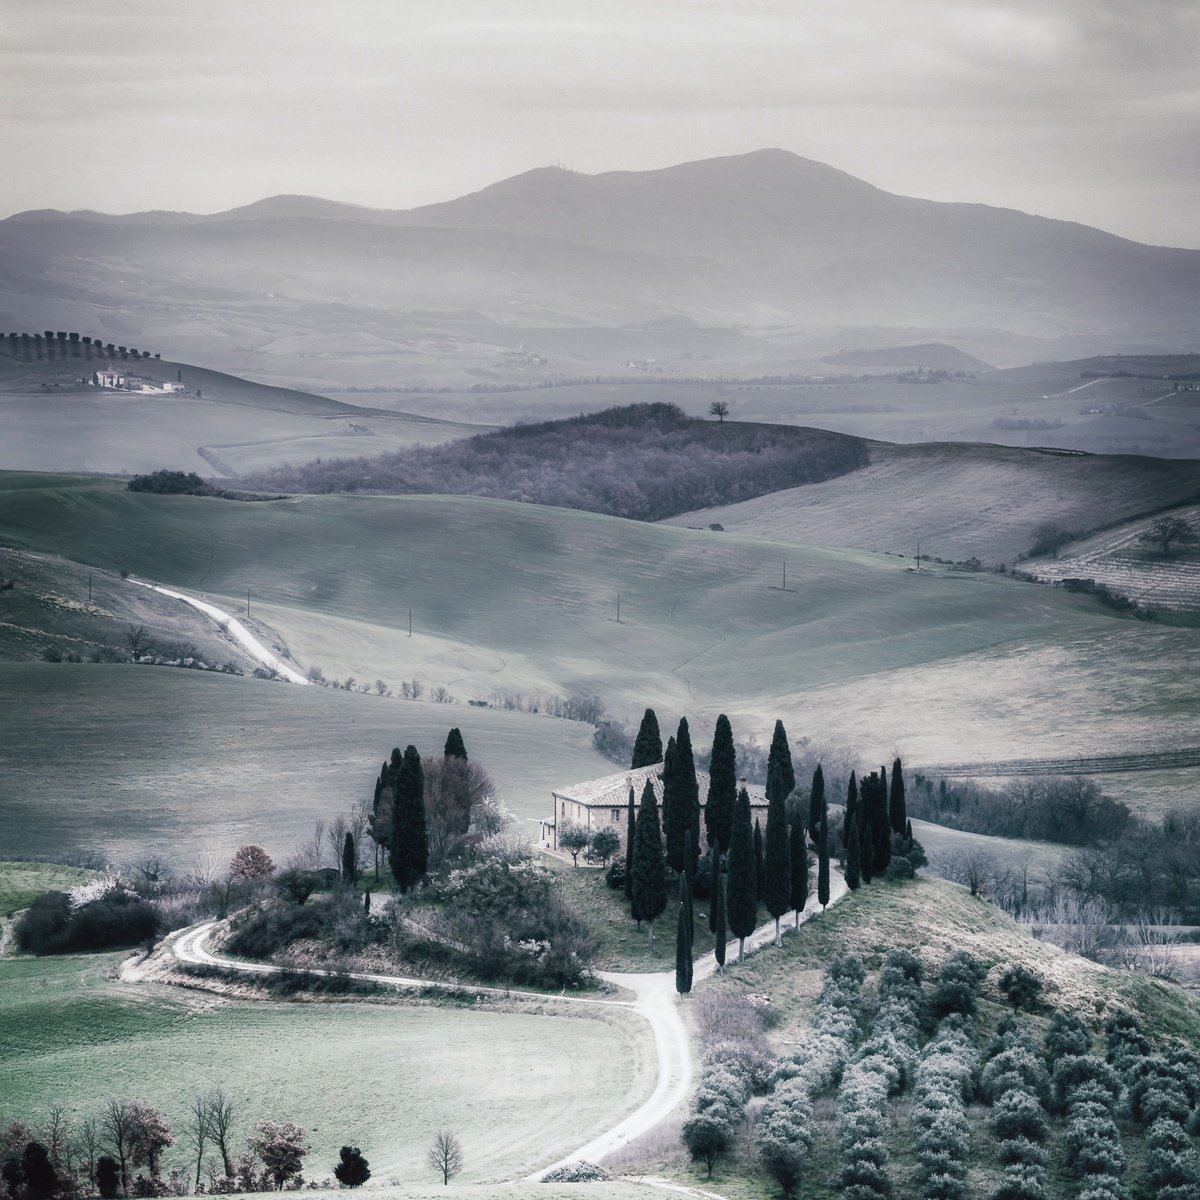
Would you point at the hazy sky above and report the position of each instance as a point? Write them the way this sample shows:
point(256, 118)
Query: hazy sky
point(1087, 110)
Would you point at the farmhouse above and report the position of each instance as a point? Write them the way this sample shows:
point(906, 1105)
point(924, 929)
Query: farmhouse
point(601, 803)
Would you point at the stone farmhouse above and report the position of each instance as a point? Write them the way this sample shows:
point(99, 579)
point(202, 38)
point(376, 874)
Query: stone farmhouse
point(602, 803)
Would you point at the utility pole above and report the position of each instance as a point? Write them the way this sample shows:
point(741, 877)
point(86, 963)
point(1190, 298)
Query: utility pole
point(247, 602)
point(410, 622)
point(618, 608)
point(918, 554)
point(89, 587)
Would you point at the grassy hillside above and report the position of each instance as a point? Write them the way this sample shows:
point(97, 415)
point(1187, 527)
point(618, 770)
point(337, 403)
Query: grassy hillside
point(123, 758)
point(959, 666)
point(519, 1089)
point(959, 500)
point(23, 882)
point(221, 425)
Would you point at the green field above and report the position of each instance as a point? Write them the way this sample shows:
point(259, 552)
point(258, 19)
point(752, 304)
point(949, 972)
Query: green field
point(959, 500)
point(942, 666)
point(23, 882)
point(124, 758)
point(519, 1089)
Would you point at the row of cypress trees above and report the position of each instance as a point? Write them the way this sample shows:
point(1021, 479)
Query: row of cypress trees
point(873, 815)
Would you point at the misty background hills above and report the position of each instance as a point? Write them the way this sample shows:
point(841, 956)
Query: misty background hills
point(759, 262)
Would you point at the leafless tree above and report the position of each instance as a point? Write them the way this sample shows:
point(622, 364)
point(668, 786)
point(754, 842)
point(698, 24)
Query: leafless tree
point(137, 638)
point(197, 1130)
point(973, 868)
point(382, 688)
point(1147, 944)
point(56, 1136)
point(719, 409)
point(453, 791)
point(118, 1121)
point(445, 1155)
point(89, 1145)
point(154, 869)
point(335, 838)
point(220, 1114)
point(1081, 925)
point(416, 689)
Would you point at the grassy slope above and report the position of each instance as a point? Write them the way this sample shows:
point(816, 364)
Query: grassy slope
point(23, 882)
point(123, 757)
point(959, 500)
point(518, 1088)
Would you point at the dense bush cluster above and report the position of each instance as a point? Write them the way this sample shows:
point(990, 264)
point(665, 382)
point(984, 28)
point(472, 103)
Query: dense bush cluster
point(833, 1033)
point(1015, 1081)
point(172, 483)
point(56, 924)
point(643, 461)
point(945, 1082)
point(957, 987)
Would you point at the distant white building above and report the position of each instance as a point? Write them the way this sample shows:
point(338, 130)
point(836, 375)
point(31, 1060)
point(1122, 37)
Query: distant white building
point(110, 379)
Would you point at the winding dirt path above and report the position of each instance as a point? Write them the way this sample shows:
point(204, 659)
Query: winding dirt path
point(655, 1000)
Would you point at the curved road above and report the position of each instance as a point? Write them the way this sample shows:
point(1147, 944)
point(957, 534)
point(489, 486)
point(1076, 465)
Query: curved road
point(655, 1000)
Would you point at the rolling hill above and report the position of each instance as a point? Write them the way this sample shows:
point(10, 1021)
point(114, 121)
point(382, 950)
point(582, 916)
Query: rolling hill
point(768, 242)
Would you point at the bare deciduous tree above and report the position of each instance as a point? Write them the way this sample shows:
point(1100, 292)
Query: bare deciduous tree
point(137, 638)
point(197, 1130)
point(219, 1116)
point(445, 1155)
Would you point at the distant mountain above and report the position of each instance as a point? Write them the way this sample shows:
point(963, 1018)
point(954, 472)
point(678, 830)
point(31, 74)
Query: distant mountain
point(932, 356)
point(761, 242)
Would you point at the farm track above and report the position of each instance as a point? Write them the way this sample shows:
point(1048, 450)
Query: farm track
point(1097, 764)
point(655, 1000)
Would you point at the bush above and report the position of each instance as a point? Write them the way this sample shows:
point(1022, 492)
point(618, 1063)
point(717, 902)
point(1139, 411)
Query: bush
point(172, 483)
point(614, 874)
point(1021, 985)
point(1018, 1114)
point(785, 1134)
point(1017, 1068)
point(1084, 1077)
point(957, 985)
point(1022, 1151)
point(116, 920)
point(267, 931)
point(1066, 1037)
point(577, 1172)
point(1021, 1182)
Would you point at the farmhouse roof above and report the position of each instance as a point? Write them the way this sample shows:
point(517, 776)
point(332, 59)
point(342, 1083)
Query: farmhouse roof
point(612, 791)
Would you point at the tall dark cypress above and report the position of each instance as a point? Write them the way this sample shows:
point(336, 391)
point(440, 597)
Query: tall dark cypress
point(683, 941)
point(823, 862)
point(649, 869)
point(690, 879)
point(853, 855)
point(722, 787)
point(720, 922)
point(897, 806)
point(760, 866)
point(780, 755)
point(683, 772)
point(866, 846)
point(629, 840)
point(881, 827)
point(797, 865)
point(816, 804)
point(410, 838)
point(851, 809)
point(675, 817)
point(648, 747)
point(349, 874)
point(743, 900)
point(777, 870)
point(455, 746)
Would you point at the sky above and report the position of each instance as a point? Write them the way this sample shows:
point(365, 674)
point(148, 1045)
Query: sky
point(1085, 110)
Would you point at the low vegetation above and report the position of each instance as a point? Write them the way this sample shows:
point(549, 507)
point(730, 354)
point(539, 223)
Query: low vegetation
point(644, 461)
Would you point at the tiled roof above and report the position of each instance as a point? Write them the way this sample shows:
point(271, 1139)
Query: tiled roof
point(612, 791)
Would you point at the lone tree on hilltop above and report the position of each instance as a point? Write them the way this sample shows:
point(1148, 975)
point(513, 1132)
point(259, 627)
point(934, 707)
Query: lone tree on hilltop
point(722, 785)
point(777, 882)
point(719, 409)
point(897, 805)
point(649, 870)
point(743, 898)
point(410, 839)
point(648, 748)
point(798, 866)
point(1168, 533)
point(353, 1170)
point(445, 1155)
point(455, 747)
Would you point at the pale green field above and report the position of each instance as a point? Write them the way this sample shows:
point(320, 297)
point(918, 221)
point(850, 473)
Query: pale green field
point(22, 882)
point(940, 667)
point(520, 1089)
point(959, 500)
point(124, 758)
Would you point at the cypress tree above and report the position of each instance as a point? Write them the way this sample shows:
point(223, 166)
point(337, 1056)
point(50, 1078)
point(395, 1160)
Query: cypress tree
point(683, 942)
point(720, 921)
point(908, 832)
point(777, 871)
point(823, 862)
point(816, 804)
point(866, 846)
point(780, 755)
point(897, 806)
point(722, 787)
point(649, 871)
point(743, 902)
point(851, 809)
point(853, 855)
point(675, 818)
point(687, 891)
point(629, 842)
point(348, 871)
point(760, 867)
point(683, 773)
point(797, 865)
point(648, 747)
point(881, 827)
point(455, 746)
point(410, 838)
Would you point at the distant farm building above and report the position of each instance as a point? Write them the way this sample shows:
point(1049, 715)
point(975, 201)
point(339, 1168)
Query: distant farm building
point(602, 803)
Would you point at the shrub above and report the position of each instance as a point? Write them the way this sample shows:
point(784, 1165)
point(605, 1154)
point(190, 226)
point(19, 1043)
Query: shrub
point(172, 483)
point(708, 1135)
point(614, 875)
point(1067, 1036)
point(1085, 1077)
point(785, 1134)
point(1017, 1068)
point(1021, 1182)
point(267, 931)
point(117, 919)
point(1018, 1114)
point(1020, 1150)
point(1021, 985)
point(957, 985)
